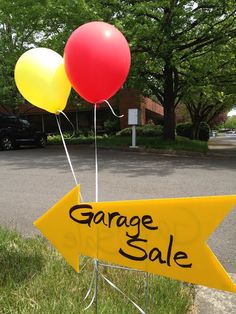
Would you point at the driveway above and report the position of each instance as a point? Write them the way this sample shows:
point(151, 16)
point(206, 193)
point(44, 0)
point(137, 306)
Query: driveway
point(223, 144)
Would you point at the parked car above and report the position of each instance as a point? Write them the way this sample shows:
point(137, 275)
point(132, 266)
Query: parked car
point(15, 132)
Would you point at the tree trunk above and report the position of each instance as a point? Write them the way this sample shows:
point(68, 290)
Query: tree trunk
point(169, 103)
point(196, 129)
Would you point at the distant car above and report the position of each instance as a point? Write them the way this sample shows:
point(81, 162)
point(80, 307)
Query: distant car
point(15, 132)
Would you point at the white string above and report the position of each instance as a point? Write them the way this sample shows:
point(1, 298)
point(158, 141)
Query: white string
point(63, 113)
point(119, 290)
point(67, 154)
point(93, 298)
point(95, 270)
point(66, 150)
point(113, 110)
point(96, 263)
point(84, 265)
point(120, 267)
point(90, 286)
point(96, 153)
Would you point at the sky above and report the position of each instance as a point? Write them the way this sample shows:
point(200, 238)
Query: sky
point(232, 112)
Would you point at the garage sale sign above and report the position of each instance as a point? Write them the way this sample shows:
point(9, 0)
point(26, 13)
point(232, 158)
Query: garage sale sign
point(165, 236)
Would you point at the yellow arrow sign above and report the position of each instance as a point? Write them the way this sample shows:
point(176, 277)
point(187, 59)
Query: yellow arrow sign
point(165, 236)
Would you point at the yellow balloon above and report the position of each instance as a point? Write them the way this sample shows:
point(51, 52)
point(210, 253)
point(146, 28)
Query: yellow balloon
point(41, 79)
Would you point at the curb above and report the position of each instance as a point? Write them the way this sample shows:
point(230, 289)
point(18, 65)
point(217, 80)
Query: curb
point(141, 149)
point(163, 152)
point(156, 151)
point(208, 301)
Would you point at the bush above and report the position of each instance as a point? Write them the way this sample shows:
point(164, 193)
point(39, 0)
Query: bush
point(111, 126)
point(139, 130)
point(184, 129)
point(146, 130)
point(128, 131)
point(124, 132)
point(152, 130)
point(204, 132)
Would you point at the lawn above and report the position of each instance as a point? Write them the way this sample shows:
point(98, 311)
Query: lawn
point(34, 278)
point(180, 144)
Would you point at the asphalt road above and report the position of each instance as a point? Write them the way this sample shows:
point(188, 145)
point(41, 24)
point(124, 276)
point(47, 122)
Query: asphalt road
point(32, 180)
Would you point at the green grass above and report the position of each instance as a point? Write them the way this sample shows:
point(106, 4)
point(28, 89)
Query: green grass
point(35, 279)
point(56, 139)
point(181, 143)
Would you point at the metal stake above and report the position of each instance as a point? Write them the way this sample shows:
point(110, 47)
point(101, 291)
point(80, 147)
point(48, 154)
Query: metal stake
point(147, 292)
point(96, 285)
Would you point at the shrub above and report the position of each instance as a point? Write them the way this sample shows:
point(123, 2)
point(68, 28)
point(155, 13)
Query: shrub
point(152, 130)
point(204, 131)
point(139, 130)
point(111, 126)
point(184, 129)
point(124, 132)
point(146, 130)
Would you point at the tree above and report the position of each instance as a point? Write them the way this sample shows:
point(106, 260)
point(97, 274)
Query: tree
point(204, 104)
point(219, 120)
point(231, 123)
point(61, 19)
point(182, 114)
point(25, 24)
point(210, 90)
point(166, 36)
point(20, 29)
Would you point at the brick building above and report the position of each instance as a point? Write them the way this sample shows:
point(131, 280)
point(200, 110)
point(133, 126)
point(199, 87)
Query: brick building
point(148, 109)
point(82, 115)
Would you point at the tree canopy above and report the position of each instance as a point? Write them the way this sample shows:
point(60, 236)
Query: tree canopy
point(176, 45)
point(231, 123)
point(20, 29)
point(25, 24)
point(168, 38)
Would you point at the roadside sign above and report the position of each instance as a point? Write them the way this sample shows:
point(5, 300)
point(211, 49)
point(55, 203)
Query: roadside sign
point(163, 236)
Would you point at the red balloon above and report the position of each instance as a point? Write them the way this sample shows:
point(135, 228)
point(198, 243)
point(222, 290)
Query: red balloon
point(97, 61)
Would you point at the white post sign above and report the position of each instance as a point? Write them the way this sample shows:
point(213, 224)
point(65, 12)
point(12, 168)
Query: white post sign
point(133, 120)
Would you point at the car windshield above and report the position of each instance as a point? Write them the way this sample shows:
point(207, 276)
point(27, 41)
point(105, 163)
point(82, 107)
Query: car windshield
point(24, 123)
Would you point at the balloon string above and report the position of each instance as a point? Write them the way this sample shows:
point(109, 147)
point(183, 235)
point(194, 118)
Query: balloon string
point(120, 267)
point(111, 284)
point(63, 113)
point(96, 153)
point(94, 279)
point(93, 298)
point(83, 266)
point(120, 291)
point(96, 262)
point(66, 150)
point(113, 112)
point(95, 283)
point(90, 286)
point(67, 154)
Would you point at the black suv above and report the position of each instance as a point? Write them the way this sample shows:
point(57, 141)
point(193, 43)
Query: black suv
point(15, 132)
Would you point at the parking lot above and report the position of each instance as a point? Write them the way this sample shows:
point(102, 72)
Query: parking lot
point(33, 179)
